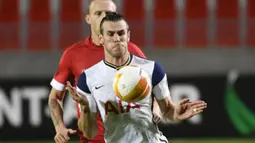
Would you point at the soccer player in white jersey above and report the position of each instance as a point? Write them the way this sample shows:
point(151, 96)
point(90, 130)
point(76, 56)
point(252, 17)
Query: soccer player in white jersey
point(125, 122)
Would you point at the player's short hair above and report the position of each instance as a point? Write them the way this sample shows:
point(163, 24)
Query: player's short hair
point(90, 3)
point(113, 17)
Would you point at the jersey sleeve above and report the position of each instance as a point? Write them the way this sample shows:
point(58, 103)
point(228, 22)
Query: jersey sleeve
point(135, 50)
point(83, 88)
point(63, 72)
point(159, 82)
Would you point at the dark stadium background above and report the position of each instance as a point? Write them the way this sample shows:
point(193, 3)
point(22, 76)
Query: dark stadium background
point(207, 48)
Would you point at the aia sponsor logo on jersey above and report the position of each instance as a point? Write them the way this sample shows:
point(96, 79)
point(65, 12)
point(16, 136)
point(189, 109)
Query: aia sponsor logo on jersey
point(119, 107)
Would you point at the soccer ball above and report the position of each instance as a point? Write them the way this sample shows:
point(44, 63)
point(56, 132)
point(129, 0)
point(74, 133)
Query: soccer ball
point(131, 83)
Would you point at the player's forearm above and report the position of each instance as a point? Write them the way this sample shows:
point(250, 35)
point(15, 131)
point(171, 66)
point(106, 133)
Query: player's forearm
point(170, 114)
point(168, 110)
point(87, 122)
point(56, 113)
point(156, 109)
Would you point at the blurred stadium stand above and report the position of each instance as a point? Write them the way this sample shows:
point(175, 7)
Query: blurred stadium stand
point(250, 24)
point(186, 36)
point(165, 24)
point(9, 25)
point(38, 25)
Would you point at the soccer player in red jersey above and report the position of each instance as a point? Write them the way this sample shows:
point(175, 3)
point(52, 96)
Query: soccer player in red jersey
point(74, 60)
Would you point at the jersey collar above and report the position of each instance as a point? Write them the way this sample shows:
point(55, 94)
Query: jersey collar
point(118, 67)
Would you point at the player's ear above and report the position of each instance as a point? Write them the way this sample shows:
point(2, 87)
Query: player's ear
point(128, 35)
point(87, 18)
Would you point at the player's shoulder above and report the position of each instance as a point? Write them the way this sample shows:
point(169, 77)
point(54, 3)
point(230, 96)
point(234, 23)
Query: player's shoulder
point(95, 68)
point(150, 65)
point(72, 50)
point(75, 46)
point(132, 47)
point(94, 73)
point(140, 60)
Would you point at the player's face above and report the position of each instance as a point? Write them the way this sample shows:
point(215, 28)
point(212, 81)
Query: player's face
point(97, 12)
point(115, 38)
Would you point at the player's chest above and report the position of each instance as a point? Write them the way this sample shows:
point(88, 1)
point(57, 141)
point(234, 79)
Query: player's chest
point(103, 91)
point(109, 103)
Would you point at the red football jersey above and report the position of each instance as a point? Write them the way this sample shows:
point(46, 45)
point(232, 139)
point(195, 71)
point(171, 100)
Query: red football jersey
point(74, 60)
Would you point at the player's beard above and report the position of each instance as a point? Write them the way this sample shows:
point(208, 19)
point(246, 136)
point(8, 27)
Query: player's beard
point(117, 51)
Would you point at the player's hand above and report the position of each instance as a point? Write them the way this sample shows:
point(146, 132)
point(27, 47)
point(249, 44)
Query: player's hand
point(156, 118)
point(187, 109)
point(63, 135)
point(75, 95)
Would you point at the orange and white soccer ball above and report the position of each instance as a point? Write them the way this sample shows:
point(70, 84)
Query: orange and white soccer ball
point(132, 83)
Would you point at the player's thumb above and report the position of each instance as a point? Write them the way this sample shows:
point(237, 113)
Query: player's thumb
point(71, 131)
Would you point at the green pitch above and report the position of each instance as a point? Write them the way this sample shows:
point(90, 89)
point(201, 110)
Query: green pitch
point(213, 141)
point(170, 141)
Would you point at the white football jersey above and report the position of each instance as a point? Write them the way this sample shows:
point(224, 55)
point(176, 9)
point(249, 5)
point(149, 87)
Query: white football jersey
point(124, 122)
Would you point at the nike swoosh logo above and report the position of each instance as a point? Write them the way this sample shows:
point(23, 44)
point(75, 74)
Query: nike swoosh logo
point(97, 87)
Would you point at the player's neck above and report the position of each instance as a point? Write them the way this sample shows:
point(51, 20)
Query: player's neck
point(117, 61)
point(95, 39)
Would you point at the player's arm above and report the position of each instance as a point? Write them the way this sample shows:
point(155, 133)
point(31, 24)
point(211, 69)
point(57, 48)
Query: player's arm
point(58, 91)
point(172, 112)
point(87, 122)
point(56, 97)
point(55, 104)
point(162, 94)
point(157, 115)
